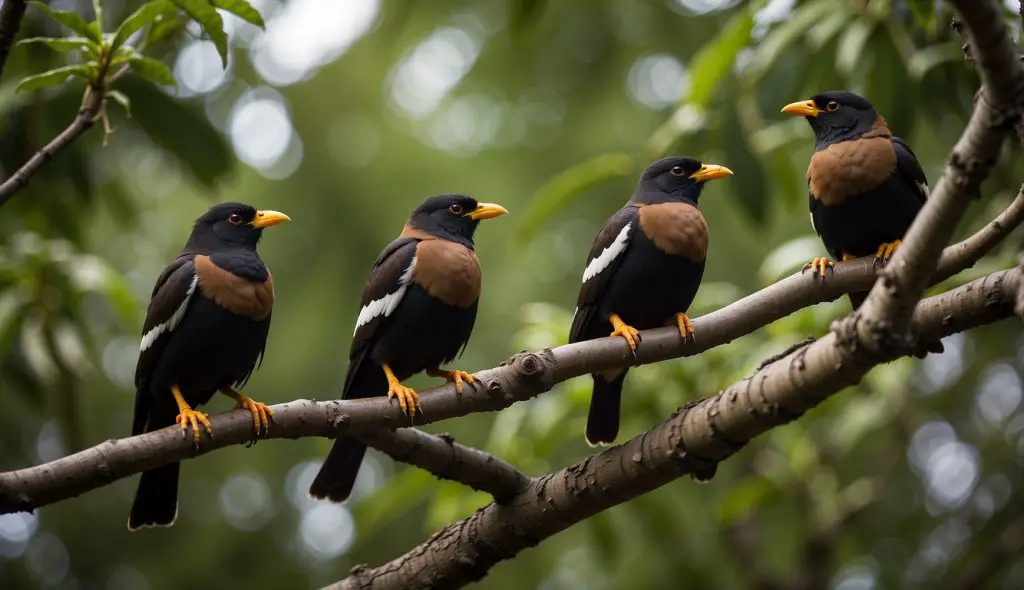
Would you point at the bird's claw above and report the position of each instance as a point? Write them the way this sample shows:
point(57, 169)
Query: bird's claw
point(631, 334)
point(819, 267)
point(408, 399)
point(885, 252)
point(261, 416)
point(454, 376)
point(188, 417)
point(685, 326)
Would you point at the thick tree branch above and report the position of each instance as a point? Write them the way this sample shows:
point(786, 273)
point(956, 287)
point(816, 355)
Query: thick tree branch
point(87, 116)
point(447, 459)
point(689, 443)
point(884, 316)
point(11, 14)
point(519, 378)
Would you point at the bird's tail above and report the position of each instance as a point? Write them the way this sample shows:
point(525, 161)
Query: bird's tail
point(603, 418)
point(156, 500)
point(338, 474)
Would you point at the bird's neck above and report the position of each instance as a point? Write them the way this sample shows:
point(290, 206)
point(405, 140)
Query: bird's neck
point(435, 233)
point(834, 135)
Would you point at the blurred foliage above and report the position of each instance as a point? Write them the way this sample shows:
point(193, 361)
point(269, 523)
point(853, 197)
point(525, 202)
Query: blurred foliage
point(345, 114)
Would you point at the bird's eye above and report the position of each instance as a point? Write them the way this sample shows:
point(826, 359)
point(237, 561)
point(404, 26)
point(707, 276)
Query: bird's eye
point(455, 208)
point(235, 219)
point(832, 106)
point(677, 171)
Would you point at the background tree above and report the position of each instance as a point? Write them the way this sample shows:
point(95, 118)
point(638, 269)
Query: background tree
point(345, 114)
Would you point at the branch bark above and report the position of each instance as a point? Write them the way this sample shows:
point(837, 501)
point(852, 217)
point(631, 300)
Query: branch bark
point(447, 459)
point(883, 319)
point(11, 14)
point(689, 443)
point(87, 116)
point(519, 378)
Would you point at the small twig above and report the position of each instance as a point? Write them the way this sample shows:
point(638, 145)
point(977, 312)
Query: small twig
point(87, 116)
point(11, 14)
point(965, 43)
point(447, 459)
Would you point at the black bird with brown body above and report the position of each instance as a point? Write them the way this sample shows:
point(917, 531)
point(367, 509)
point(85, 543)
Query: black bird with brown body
point(417, 313)
point(865, 185)
point(643, 272)
point(205, 331)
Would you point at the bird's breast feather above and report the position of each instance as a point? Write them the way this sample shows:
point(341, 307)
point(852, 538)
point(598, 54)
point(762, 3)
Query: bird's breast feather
point(850, 168)
point(254, 299)
point(677, 229)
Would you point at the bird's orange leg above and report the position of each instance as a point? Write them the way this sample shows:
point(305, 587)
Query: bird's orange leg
point(820, 266)
point(885, 252)
point(455, 376)
point(685, 325)
point(189, 417)
point(261, 413)
point(631, 334)
point(848, 256)
point(408, 399)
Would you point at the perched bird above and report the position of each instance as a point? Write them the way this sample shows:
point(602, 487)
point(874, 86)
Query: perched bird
point(205, 331)
point(865, 185)
point(418, 310)
point(643, 272)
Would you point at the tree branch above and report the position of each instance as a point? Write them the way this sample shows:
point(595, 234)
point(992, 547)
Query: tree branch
point(447, 459)
point(689, 443)
point(519, 378)
point(87, 116)
point(11, 14)
point(883, 319)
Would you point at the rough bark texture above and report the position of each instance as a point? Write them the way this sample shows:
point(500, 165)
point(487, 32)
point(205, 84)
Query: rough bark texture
point(689, 443)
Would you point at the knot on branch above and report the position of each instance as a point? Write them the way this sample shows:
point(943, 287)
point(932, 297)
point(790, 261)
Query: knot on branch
point(969, 172)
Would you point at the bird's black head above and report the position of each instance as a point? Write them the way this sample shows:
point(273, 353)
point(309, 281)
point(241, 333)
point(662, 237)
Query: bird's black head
point(677, 178)
point(231, 225)
point(835, 116)
point(452, 217)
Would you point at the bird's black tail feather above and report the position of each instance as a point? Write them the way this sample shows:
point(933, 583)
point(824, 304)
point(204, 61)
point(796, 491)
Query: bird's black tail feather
point(156, 500)
point(338, 473)
point(603, 418)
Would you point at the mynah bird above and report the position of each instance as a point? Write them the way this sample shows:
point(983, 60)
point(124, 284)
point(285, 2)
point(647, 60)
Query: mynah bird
point(205, 331)
point(865, 186)
point(643, 272)
point(418, 310)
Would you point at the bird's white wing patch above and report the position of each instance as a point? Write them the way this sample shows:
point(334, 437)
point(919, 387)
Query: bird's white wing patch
point(387, 304)
point(150, 337)
point(812, 223)
point(608, 255)
point(923, 187)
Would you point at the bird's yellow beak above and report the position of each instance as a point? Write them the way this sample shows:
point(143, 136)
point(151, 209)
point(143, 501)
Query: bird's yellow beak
point(268, 218)
point(710, 172)
point(802, 108)
point(486, 211)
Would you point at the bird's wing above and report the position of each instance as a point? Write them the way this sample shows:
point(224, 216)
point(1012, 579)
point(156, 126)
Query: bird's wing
point(908, 167)
point(167, 306)
point(388, 282)
point(605, 256)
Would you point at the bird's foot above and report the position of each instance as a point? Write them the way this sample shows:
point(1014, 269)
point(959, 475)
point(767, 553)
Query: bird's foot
point(194, 418)
point(848, 256)
point(455, 376)
point(685, 326)
point(885, 252)
point(261, 415)
point(408, 399)
point(819, 267)
point(621, 328)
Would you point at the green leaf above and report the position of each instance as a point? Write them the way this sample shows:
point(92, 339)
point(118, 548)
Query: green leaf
point(207, 16)
point(567, 185)
point(715, 58)
point(63, 44)
point(182, 129)
point(923, 61)
point(152, 70)
point(851, 45)
point(167, 25)
point(54, 77)
point(137, 20)
point(121, 99)
point(71, 20)
point(242, 10)
point(787, 33)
